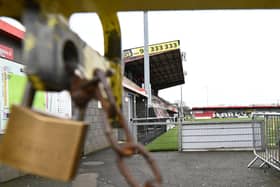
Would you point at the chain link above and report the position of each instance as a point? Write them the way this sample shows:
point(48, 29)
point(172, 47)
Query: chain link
point(129, 148)
point(100, 90)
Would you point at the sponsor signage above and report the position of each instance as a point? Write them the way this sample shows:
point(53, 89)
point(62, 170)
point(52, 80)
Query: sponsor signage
point(6, 52)
point(12, 85)
point(153, 49)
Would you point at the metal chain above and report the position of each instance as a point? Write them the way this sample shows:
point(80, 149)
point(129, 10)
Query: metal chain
point(129, 148)
point(100, 90)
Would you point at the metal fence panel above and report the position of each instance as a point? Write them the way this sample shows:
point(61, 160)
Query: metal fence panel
point(219, 145)
point(219, 136)
point(269, 152)
point(217, 131)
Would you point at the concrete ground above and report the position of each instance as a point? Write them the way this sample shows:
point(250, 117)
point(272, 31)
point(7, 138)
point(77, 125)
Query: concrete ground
point(219, 169)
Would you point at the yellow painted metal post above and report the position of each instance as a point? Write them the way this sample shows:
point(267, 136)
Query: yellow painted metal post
point(112, 50)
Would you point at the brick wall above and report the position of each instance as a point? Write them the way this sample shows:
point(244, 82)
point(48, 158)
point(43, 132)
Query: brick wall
point(95, 138)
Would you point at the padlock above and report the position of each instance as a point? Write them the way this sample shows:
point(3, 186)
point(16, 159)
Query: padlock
point(41, 144)
point(36, 142)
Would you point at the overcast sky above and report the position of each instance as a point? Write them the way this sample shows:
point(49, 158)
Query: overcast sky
point(233, 57)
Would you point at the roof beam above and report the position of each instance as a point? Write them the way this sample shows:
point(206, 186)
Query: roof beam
point(14, 8)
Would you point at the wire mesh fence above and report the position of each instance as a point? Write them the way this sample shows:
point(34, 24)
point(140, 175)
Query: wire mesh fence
point(147, 129)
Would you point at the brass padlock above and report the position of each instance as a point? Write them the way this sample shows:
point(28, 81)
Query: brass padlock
point(41, 144)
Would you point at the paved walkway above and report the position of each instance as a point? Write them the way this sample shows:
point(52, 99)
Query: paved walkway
point(222, 169)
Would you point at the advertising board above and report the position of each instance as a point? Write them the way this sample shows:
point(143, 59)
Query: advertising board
point(12, 84)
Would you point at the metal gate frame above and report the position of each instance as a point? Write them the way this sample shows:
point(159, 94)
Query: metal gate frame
point(248, 126)
point(269, 153)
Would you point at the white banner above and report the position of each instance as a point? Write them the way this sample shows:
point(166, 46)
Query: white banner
point(12, 84)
